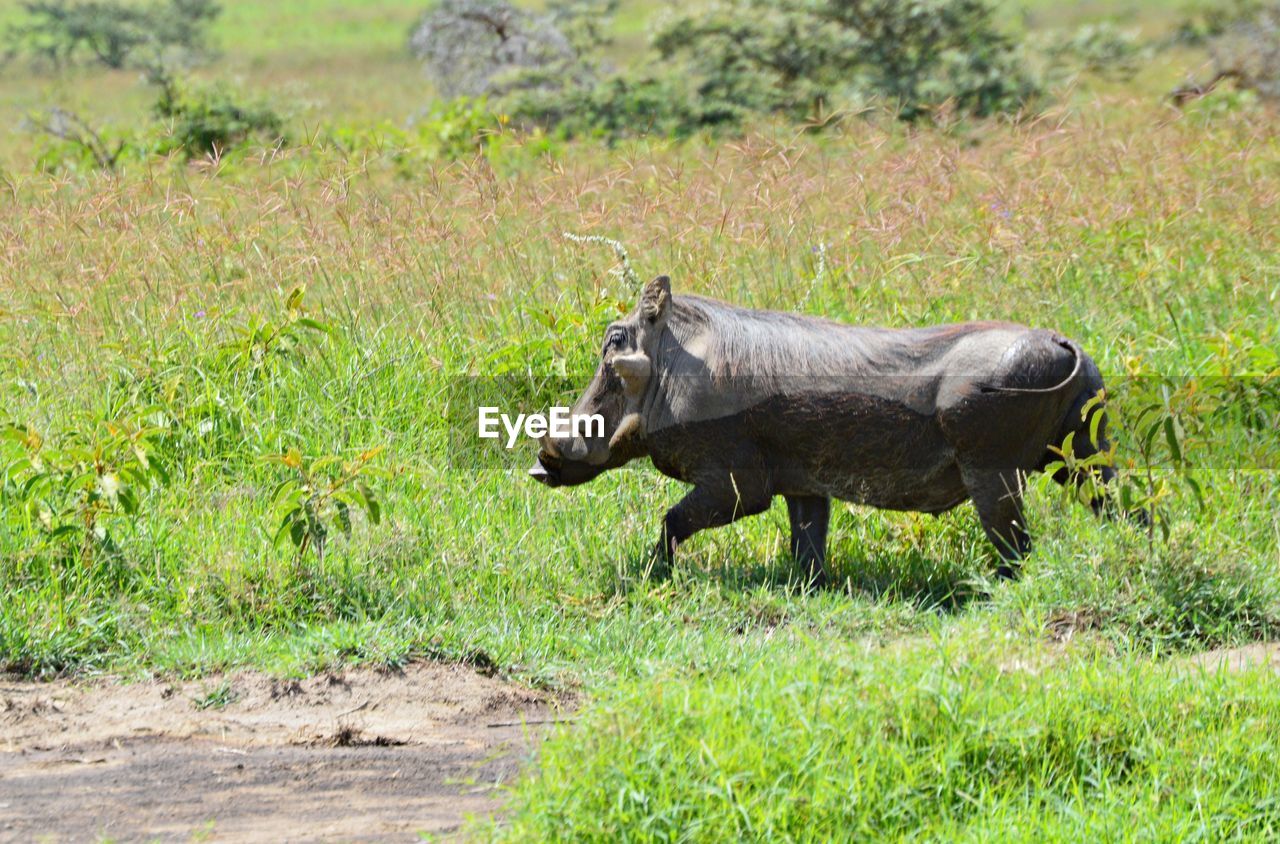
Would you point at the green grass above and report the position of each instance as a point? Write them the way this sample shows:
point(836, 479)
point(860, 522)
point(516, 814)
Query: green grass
point(915, 698)
point(940, 740)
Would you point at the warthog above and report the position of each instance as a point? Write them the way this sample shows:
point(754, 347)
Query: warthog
point(746, 404)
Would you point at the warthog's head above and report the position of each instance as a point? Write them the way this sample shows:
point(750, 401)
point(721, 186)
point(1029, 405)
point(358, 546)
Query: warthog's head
point(616, 394)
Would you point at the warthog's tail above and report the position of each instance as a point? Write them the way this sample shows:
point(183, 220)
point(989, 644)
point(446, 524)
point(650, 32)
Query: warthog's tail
point(1064, 342)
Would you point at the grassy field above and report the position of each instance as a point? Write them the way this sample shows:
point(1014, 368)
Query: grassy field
point(151, 332)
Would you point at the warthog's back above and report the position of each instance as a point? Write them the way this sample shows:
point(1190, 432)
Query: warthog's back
point(877, 416)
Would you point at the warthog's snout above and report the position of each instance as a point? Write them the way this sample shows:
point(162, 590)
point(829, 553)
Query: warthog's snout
point(552, 469)
point(543, 474)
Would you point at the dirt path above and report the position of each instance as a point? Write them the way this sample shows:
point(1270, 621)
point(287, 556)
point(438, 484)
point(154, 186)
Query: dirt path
point(1257, 655)
point(358, 755)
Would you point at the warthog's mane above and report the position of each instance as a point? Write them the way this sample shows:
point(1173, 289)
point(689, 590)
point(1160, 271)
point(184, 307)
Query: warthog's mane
point(736, 342)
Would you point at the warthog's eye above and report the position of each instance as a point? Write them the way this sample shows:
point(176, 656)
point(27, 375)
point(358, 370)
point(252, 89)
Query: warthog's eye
point(615, 337)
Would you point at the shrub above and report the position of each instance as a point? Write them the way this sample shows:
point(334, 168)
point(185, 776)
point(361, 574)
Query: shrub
point(320, 493)
point(211, 120)
point(718, 65)
point(662, 104)
point(1249, 50)
point(448, 130)
point(111, 31)
point(69, 491)
point(1098, 48)
point(70, 143)
point(194, 122)
point(796, 57)
point(1204, 21)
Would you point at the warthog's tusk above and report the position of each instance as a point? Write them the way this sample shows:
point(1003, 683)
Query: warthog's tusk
point(630, 424)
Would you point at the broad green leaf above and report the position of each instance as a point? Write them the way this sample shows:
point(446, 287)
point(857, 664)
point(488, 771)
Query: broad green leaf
point(1171, 437)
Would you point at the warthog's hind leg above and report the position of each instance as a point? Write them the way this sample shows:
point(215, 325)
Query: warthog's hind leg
point(997, 495)
point(810, 515)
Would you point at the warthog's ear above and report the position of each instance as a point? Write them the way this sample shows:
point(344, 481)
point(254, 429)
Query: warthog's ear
point(655, 301)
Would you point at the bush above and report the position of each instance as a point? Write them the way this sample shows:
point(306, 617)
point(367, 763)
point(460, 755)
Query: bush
point(194, 122)
point(719, 65)
point(1249, 51)
point(1205, 21)
point(1098, 48)
point(213, 120)
point(70, 143)
point(797, 58)
point(113, 32)
point(622, 105)
point(449, 130)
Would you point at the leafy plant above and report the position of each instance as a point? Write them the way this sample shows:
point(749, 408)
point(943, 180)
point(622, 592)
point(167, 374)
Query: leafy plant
point(70, 490)
point(449, 130)
point(260, 343)
point(1163, 433)
point(193, 121)
point(320, 493)
point(1085, 472)
point(1166, 430)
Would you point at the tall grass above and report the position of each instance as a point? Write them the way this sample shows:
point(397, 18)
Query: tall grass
point(740, 705)
point(1143, 234)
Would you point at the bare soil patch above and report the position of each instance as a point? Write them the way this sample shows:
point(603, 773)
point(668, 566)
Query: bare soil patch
point(357, 755)
point(1257, 655)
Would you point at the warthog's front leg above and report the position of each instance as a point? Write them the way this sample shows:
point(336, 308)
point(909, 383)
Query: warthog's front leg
point(810, 515)
point(706, 506)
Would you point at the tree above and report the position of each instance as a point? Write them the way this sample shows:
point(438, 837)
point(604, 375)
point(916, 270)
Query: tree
point(111, 31)
point(468, 45)
point(1247, 52)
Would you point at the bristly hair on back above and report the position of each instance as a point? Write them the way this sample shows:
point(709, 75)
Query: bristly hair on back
point(766, 344)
